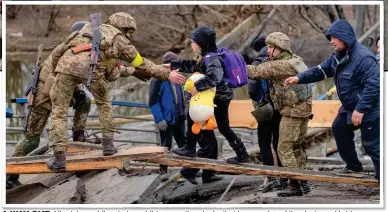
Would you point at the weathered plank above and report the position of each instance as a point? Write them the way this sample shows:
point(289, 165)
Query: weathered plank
point(253, 169)
point(82, 161)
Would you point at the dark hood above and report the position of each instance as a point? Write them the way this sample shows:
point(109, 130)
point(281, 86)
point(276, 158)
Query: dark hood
point(343, 30)
point(205, 37)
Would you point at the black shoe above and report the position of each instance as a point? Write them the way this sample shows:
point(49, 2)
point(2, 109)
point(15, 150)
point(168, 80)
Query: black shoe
point(185, 152)
point(269, 186)
point(239, 159)
point(211, 179)
point(198, 174)
point(107, 147)
point(79, 136)
point(295, 189)
point(57, 163)
point(348, 173)
point(305, 186)
point(163, 173)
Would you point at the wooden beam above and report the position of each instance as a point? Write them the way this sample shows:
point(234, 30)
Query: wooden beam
point(253, 169)
point(94, 123)
point(82, 161)
point(335, 160)
point(324, 112)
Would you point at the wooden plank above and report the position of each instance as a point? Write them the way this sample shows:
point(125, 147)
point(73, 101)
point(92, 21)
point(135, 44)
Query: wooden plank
point(324, 112)
point(94, 123)
point(82, 161)
point(335, 160)
point(253, 169)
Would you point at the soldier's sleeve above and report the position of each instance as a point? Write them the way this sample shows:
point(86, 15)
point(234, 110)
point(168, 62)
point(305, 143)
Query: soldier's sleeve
point(278, 69)
point(124, 50)
point(57, 53)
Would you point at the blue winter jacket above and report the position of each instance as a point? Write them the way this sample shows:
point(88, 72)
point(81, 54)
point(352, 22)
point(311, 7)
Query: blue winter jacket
point(162, 102)
point(355, 71)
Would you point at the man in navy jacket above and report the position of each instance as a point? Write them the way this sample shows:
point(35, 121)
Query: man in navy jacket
point(356, 76)
point(167, 104)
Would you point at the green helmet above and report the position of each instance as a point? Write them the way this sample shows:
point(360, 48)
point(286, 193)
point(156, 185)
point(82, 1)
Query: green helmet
point(123, 21)
point(280, 40)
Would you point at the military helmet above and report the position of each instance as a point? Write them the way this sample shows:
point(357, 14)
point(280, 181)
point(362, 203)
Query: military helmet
point(263, 113)
point(123, 21)
point(78, 25)
point(280, 40)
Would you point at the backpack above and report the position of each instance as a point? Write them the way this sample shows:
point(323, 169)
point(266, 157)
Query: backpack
point(235, 69)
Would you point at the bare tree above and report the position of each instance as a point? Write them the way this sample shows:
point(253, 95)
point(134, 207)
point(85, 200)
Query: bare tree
point(54, 13)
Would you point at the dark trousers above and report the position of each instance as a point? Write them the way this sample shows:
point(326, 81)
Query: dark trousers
point(268, 132)
point(207, 139)
point(370, 137)
point(207, 148)
point(178, 130)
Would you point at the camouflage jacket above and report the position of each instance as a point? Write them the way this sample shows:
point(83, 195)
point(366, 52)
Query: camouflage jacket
point(114, 45)
point(284, 99)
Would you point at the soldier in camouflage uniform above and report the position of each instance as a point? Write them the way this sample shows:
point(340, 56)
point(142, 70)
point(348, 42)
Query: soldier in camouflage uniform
point(72, 68)
point(41, 112)
point(294, 104)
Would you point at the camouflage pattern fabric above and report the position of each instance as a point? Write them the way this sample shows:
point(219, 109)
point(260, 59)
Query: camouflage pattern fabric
point(284, 100)
point(61, 94)
point(290, 150)
point(280, 40)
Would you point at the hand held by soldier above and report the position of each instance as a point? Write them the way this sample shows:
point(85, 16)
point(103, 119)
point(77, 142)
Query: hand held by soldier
point(176, 78)
point(291, 81)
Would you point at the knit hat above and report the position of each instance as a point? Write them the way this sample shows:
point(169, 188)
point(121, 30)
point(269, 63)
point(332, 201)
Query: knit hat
point(259, 43)
point(205, 37)
point(169, 56)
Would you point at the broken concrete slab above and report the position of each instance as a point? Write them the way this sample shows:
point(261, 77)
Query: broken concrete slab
point(109, 187)
point(46, 180)
point(70, 191)
point(24, 193)
point(178, 192)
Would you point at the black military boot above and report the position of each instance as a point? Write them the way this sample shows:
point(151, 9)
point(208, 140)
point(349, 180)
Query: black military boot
point(185, 151)
point(241, 153)
point(79, 135)
point(107, 147)
point(191, 179)
point(305, 186)
point(12, 181)
point(211, 178)
point(295, 189)
point(283, 184)
point(58, 162)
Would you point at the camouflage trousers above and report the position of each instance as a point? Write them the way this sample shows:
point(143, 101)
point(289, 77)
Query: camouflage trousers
point(61, 94)
point(38, 119)
point(290, 147)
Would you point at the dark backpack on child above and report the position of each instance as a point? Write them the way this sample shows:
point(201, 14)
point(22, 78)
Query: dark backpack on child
point(235, 68)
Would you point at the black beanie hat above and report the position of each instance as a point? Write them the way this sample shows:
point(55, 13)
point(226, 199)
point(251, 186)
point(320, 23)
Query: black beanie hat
point(169, 56)
point(205, 37)
point(259, 43)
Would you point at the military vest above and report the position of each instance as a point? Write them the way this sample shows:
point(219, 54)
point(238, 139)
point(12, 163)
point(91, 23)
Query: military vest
point(294, 94)
point(78, 56)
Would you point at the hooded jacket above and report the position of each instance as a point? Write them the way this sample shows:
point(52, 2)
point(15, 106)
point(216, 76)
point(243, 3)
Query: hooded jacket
point(355, 71)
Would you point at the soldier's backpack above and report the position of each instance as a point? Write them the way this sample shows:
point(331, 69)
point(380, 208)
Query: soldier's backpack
point(235, 68)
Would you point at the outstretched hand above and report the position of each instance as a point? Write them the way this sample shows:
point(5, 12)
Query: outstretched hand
point(291, 81)
point(176, 78)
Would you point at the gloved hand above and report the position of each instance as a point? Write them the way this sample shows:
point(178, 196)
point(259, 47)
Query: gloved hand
point(162, 125)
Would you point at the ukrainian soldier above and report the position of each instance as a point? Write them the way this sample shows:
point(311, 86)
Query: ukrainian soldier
point(293, 103)
point(72, 69)
point(42, 109)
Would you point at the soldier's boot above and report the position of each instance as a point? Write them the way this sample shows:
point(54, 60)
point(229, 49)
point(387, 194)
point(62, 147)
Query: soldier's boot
point(283, 184)
point(79, 136)
point(12, 181)
point(241, 153)
point(107, 147)
point(295, 189)
point(269, 186)
point(58, 162)
point(305, 186)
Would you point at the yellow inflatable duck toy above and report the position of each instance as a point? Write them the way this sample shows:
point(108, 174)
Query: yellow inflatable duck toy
point(201, 109)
